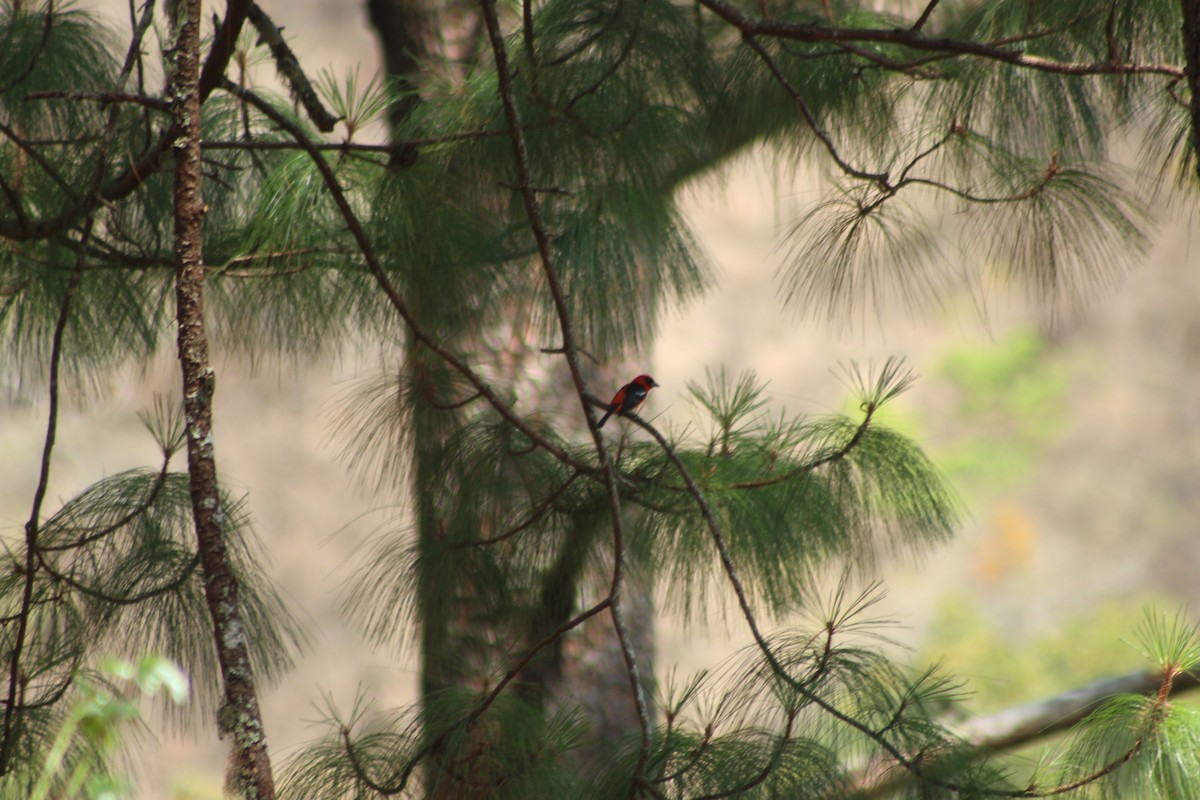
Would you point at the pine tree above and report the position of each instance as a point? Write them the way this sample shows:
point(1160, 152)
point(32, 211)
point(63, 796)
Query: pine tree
point(522, 222)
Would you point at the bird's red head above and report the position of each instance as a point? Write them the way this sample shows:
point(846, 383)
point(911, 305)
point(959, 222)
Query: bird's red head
point(645, 381)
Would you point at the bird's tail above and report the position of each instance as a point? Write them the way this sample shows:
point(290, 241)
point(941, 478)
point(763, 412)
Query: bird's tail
point(604, 419)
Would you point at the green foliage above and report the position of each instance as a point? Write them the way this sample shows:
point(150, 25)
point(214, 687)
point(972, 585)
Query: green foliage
point(80, 761)
point(793, 495)
point(125, 551)
point(116, 573)
point(842, 258)
point(357, 103)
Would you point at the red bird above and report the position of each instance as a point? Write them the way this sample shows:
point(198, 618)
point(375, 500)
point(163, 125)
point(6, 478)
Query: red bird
point(628, 397)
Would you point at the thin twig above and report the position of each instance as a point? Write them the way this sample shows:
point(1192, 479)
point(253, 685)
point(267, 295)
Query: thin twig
point(611, 69)
point(566, 329)
point(104, 98)
point(560, 351)
point(784, 740)
point(485, 703)
point(534, 517)
point(135, 512)
point(909, 763)
point(123, 600)
point(354, 225)
point(466, 401)
point(50, 170)
point(32, 525)
point(845, 166)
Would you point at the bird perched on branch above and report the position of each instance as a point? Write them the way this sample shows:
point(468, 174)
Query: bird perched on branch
point(628, 397)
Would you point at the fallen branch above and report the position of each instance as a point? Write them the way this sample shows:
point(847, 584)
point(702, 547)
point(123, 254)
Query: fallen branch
point(1027, 723)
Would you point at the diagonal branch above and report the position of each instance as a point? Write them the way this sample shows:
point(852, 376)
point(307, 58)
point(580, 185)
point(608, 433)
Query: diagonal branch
point(916, 40)
point(16, 676)
point(289, 68)
point(87, 537)
point(395, 299)
point(224, 43)
point(123, 600)
point(534, 517)
point(921, 20)
point(880, 178)
point(1015, 727)
point(437, 742)
point(910, 763)
point(570, 351)
point(250, 773)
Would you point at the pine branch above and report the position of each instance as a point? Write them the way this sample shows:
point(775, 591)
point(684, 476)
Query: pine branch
point(870, 407)
point(240, 718)
point(88, 537)
point(784, 739)
point(910, 763)
point(1023, 725)
point(914, 39)
point(290, 69)
point(534, 218)
point(123, 600)
point(822, 135)
point(149, 161)
point(16, 675)
point(436, 743)
point(133, 53)
point(395, 299)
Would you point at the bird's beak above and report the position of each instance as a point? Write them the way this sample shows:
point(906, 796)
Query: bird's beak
point(652, 383)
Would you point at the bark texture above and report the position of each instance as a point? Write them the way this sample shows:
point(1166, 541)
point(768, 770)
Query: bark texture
point(1191, 55)
point(588, 668)
point(240, 721)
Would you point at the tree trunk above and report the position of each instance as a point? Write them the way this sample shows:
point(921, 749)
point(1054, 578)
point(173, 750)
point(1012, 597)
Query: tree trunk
point(1191, 55)
point(586, 669)
point(250, 773)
